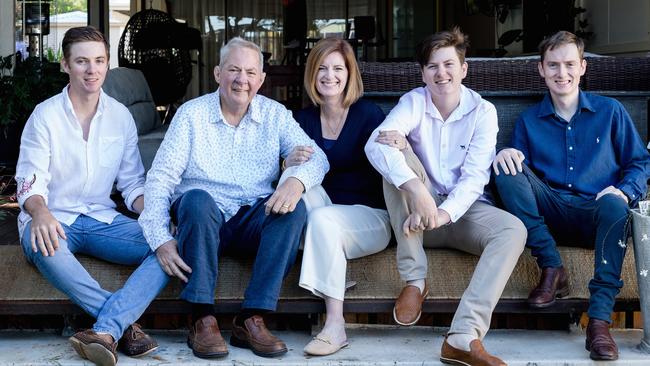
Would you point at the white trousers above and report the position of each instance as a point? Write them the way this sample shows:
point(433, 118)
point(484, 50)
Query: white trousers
point(334, 234)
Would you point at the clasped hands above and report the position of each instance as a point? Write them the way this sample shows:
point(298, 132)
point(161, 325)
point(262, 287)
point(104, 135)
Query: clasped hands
point(424, 214)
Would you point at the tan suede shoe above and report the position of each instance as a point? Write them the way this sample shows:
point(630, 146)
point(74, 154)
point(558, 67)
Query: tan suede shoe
point(408, 307)
point(477, 356)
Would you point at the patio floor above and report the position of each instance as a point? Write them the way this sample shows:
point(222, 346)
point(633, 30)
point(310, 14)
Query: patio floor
point(369, 345)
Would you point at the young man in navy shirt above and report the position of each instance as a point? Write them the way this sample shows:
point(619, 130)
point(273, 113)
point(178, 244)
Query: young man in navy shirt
point(575, 167)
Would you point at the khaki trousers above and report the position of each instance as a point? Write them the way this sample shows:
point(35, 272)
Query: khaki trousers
point(484, 230)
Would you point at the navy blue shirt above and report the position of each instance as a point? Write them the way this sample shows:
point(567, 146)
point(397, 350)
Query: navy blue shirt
point(597, 148)
point(351, 179)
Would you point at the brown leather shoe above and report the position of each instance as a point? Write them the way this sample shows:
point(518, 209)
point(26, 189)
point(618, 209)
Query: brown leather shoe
point(599, 343)
point(408, 307)
point(135, 342)
point(554, 283)
point(477, 356)
point(257, 337)
point(205, 339)
point(100, 349)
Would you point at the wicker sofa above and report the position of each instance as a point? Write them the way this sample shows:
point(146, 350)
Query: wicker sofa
point(512, 85)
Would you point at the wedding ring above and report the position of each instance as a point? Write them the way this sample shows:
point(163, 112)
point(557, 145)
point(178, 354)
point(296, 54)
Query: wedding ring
point(285, 206)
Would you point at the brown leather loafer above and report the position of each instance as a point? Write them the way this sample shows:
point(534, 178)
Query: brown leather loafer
point(599, 343)
point(135, 342)
point(205, 339)
point(408, 307)
point(554, 283)
point(257, 337)
point(95, 347)
point(477, 356)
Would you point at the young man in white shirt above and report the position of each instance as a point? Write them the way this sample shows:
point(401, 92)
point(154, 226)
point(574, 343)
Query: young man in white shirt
point(75, 145)
point(434, 194)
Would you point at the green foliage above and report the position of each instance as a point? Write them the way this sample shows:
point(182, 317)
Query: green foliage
point(66, 6)
point(32, 81)
point(53, 56)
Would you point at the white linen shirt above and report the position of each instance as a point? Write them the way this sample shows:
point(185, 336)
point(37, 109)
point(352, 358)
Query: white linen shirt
point(457, 154)
point(235, 165)
point(75, 176)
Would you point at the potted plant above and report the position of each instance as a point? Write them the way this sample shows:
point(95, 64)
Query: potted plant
point(23, 84)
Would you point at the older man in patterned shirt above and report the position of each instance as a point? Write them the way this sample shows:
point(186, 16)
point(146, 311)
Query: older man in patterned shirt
point(213, 178)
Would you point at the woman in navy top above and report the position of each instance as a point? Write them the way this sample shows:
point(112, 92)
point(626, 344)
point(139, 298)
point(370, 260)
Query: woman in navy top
point(348, 218)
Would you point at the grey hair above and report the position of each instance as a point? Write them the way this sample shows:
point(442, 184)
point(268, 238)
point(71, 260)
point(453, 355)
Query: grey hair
point(238, 42)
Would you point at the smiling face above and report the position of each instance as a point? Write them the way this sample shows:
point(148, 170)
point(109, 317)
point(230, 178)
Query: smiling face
point(444, 72)
point(86, 65)
point(561, 69)
point(332, 76)
point(239, 78)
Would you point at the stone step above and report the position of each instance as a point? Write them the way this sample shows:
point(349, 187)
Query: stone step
point(369, 345)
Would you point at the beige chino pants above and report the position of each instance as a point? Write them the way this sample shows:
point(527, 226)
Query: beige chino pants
point(484, 230)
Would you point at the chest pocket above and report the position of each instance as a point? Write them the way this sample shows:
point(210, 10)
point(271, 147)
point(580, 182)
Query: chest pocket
point(110, 151)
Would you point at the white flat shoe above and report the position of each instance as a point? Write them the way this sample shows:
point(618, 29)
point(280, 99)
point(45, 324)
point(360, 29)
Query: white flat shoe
point(321, 345)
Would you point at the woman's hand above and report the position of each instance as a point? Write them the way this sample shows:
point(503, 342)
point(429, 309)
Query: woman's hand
point(392, 138)
point(299, 155)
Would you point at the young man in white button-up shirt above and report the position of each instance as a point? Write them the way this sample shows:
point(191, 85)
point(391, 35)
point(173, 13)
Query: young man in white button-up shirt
point(434, 194)
point(213, 178)
point(75, 145)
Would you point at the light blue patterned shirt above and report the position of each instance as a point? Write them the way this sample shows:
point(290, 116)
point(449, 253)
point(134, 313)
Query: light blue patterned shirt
point(235, 165)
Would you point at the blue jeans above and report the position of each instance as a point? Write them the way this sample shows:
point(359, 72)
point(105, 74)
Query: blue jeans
point(120, 242)
point(550, 215)
point(203, 236)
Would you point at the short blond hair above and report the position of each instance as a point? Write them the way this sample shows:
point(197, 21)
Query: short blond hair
point(354, 87)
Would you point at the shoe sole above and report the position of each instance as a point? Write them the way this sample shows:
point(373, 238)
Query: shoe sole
point(93, 352)
point(451, 361)
point(344, 345)
point(206, 354)
point(596, 357)
point(140, 354)
point(416, 319)
point(560, 293)
point(239, 343)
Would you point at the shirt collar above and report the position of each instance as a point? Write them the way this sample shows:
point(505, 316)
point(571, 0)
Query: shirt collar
point(254, 110)
point(546, 107)
point(68, 103)
point(469, 100)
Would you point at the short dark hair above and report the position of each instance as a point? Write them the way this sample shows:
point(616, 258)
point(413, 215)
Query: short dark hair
point(453, 38)
point(560, 39)
point(82, 34)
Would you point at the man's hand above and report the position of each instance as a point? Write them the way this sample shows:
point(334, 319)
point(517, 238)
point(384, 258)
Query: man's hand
point(138, 204)
point(171, 262)
point(299, 155)
point(423, 211)
point(392, 138)
point(285, 197)
point(509, 160)
point(45, 230)
point(613, 190)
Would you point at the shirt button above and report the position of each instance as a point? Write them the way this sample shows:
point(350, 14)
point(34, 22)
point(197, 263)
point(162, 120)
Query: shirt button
point(570, 168)
point(570, 147)
point(569, 128)
point(570, 185)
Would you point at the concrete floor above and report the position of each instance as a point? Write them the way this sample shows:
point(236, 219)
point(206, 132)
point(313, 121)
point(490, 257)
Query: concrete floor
point(373, 345)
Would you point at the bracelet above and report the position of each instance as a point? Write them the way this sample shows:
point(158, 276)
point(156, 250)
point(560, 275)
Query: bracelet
point(284, 164)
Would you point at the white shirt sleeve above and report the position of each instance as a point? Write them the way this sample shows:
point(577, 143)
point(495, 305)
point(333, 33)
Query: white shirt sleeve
point(130, 177)
point(32, 169)
point(165, 174)
point(475, 171)
point(387, 160)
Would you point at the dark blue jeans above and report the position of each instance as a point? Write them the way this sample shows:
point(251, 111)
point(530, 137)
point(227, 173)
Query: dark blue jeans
point(203, 236)
point(551, 216)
